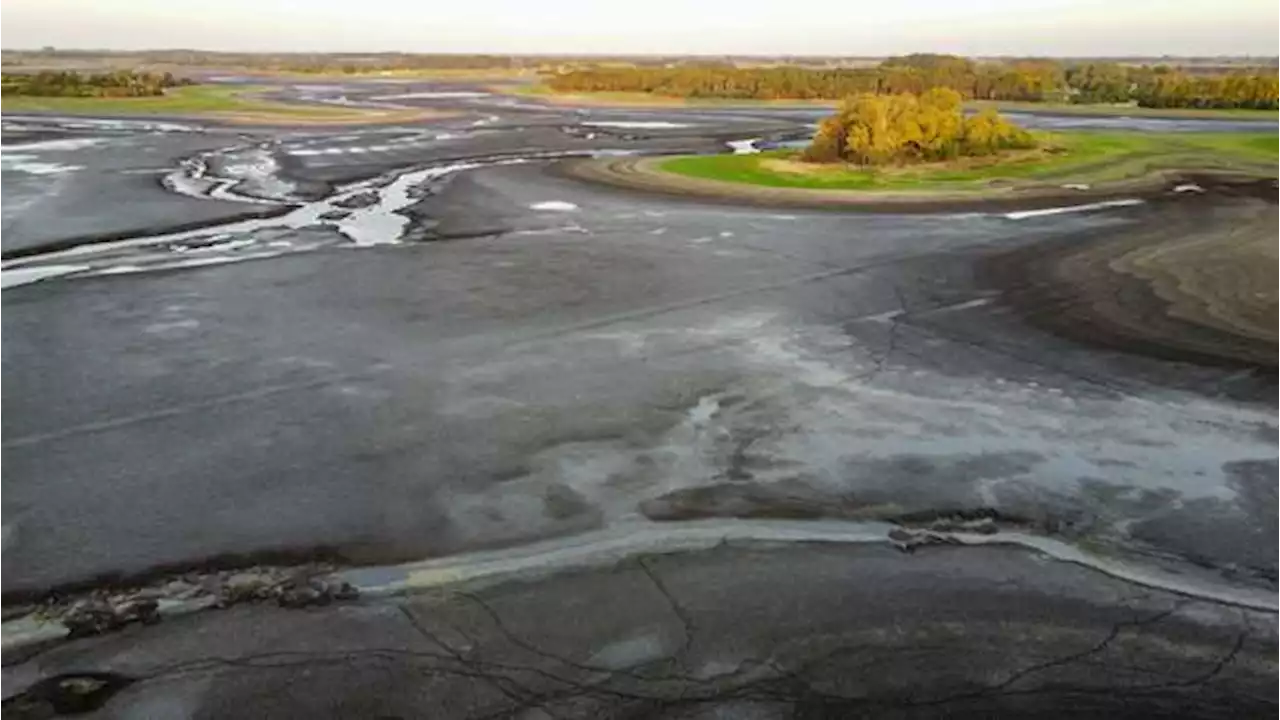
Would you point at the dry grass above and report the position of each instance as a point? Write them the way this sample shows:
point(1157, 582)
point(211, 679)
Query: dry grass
point(232, 103)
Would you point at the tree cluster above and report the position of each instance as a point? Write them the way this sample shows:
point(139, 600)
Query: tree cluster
point(719, 82)
point(1025, 80)
point(871, 129)
point(1180, 90)
point(1029, 80)
point(121, 83)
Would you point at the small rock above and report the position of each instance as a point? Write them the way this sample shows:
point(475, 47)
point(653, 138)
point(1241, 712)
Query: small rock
point(152, 593)
point(90, 617)
point(211, 584)
point(243, 586)
point(358, 200)
point(346, 591)
point(323, 596)
point(169, 607)
point(179, 588)
point(298, 596)
point(316, 591)
point(908, 540)
point(335, 215)
point(68, 694)
point(136, 610)
point(1075, 186)
point(93, 616)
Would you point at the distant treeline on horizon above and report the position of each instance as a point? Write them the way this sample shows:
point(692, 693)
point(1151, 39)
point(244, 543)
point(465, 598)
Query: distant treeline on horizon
point(372, 61)
point(120, 83)
point(1157, 86)
point(1235, 82)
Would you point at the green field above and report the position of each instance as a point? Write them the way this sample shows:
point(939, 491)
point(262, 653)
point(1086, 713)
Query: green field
point(1076, 157)
point(189, 100)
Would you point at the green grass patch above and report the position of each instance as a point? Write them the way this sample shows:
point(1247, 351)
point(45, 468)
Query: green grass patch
point(189, 100)
point(1075, 157)
point(749, 170)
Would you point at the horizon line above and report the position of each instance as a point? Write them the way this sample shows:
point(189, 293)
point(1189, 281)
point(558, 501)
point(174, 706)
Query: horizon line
point(57, 49)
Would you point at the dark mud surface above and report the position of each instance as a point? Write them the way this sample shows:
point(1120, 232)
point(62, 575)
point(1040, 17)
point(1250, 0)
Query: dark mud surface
point(787, 631)
point(490, 353)
point(1215, 303)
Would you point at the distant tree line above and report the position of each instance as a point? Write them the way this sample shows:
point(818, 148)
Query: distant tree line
point(872, 129)
point(1178, 90)
point(351, 64)
point(380, 62)
point(1025, 80)
point(121, 83)
point(320, 63)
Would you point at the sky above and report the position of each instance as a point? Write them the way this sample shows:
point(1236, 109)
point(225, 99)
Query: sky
point(813, 27)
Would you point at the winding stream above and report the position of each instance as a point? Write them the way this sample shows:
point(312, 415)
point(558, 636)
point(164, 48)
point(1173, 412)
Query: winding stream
point(341, 217)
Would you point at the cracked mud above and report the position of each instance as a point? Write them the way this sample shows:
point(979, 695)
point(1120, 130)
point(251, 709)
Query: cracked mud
point(701, 635)
point(376, 345)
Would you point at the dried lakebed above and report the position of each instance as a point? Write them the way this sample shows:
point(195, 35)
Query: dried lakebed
point(365, 213)
point(596, 365)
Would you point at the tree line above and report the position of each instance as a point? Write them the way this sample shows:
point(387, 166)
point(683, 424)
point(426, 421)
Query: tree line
point(121, 83)
point(1177, 90)
point(327, 63)
point(871, 129)
point(1025, 80)
point(351, 64)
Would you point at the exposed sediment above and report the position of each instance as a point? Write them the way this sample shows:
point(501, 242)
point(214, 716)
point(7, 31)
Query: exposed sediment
point(1185, 283)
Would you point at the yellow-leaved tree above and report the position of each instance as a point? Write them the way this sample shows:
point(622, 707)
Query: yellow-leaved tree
point(874, 129)
point(941, 121)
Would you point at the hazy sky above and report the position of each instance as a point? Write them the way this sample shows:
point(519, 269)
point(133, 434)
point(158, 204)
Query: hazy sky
point(869, 27)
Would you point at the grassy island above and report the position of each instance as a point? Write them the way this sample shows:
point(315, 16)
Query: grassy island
point(925, 142)
point(1063, 158)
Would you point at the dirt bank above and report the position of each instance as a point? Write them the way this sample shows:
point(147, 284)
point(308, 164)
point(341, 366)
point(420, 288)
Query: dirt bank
point(643, 174)
point(1194, 280)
